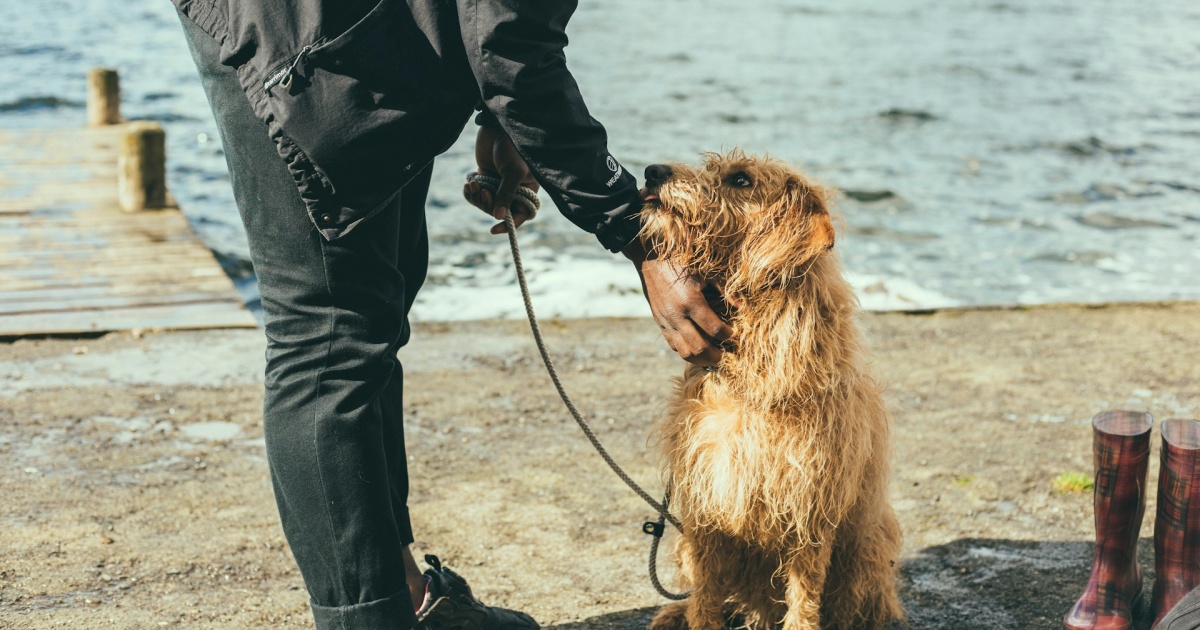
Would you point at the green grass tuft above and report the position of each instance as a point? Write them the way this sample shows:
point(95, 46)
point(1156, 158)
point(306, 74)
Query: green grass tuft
point(1073, 482)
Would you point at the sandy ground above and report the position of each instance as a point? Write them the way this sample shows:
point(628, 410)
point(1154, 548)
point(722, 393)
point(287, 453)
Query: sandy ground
point(136, 494)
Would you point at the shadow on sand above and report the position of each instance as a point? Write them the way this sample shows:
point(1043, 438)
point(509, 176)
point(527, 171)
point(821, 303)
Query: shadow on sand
point(969, 584)
point(636, 619)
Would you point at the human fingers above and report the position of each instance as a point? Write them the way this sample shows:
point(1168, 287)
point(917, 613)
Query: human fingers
point(520, 216)
point(473, 193)
point(707, 320)
point(678, 304)
point(691, 343)
point(478, 195)
point(505, 193)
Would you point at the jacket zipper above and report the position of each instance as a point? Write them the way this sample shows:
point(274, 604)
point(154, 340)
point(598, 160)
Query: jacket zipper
point(284, 76)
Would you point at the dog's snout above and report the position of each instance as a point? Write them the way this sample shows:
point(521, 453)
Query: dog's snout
point(657, 174)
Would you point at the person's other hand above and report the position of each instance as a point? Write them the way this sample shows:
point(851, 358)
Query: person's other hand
point(495, 155)
point(677, 299)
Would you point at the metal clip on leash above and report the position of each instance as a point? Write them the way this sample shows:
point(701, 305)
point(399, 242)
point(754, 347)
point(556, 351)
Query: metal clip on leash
point(655, 529)
point(528, 197)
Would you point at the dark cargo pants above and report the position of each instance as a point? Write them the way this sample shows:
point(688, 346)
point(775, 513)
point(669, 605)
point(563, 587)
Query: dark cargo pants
point(335, 314)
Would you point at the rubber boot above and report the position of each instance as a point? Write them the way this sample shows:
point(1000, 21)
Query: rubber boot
point(1177, 524)
point(1121, 450)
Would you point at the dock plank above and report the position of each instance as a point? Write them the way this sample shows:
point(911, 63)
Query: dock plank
point(71, 262)
point(51, 305)
point(174, 317)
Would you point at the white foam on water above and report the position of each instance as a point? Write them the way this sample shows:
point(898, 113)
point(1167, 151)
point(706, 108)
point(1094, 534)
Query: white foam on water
point(881, 293)
point(611, 288)
point(562, 288)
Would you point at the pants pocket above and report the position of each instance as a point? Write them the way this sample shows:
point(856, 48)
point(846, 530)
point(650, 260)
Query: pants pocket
point(366, 110)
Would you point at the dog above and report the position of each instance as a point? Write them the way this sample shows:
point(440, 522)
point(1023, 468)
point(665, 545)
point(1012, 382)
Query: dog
point(777, 458)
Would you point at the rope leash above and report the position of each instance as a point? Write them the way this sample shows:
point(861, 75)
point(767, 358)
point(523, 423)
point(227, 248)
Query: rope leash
point(524, 194)
point(657, 533)
point(562, 392)
point(654, 529)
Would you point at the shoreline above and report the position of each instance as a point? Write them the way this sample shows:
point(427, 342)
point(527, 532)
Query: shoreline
point(138, 494)
point(521, 316)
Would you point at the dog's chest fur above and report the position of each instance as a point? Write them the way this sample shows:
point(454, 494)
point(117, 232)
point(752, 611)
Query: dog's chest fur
point(760, 476)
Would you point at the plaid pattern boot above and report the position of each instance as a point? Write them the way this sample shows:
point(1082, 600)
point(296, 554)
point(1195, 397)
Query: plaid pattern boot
point(1177, 525)
point(1121, 450)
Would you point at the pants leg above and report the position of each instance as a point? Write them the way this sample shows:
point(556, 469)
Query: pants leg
point(413, 263)
point(335, 315)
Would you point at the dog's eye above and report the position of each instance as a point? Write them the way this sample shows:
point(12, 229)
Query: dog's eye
point(741, 180)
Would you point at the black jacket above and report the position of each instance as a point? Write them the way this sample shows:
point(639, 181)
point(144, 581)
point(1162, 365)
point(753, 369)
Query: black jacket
point(359, 95)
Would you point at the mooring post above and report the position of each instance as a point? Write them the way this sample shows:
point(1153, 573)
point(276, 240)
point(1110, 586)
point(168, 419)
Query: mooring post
point(104, 97)
point(142, 167)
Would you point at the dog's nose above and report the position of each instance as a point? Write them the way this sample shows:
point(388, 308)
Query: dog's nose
point(657, 174)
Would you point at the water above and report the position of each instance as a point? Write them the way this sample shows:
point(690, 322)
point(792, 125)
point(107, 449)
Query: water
point(991, 152)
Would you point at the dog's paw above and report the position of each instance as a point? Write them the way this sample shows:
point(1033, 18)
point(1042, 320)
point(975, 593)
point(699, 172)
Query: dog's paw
point(670, 617)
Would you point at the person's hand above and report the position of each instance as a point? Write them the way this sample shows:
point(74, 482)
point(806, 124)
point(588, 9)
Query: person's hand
point(677, 299)
point(495, 155)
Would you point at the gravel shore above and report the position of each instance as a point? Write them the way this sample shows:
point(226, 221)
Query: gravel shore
point(136, 491)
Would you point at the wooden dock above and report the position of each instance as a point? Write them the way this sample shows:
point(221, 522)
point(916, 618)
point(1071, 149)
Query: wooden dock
point(71, 261)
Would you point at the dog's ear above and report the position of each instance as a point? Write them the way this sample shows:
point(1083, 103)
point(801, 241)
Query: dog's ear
point(790, 233)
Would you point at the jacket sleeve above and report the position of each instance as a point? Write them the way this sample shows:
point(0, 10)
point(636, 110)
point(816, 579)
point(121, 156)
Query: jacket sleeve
point(515, 48)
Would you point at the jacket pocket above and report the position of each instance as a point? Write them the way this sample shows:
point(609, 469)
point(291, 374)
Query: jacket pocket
point(365, 110)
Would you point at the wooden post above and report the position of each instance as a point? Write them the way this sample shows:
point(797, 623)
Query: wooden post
point(142, 167)
point(104, 97)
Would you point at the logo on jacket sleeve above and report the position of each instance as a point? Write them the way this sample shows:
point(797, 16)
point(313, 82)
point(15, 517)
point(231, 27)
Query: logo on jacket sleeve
point(613, 166)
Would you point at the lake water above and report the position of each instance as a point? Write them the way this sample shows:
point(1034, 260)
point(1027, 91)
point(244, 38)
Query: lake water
point(989, 151)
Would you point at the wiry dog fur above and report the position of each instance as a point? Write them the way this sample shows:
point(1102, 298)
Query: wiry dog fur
point(778, 459)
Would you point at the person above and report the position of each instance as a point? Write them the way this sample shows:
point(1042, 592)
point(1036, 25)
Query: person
point(331, 113)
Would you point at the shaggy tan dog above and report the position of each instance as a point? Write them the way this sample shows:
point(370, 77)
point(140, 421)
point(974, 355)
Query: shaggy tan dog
point(777, 459)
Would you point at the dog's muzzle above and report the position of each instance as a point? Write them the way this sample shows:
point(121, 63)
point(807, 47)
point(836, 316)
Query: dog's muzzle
point(657, 174)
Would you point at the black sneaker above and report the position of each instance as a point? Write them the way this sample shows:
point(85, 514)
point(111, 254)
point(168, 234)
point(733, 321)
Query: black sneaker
point(450, 605)
point(1185, 615)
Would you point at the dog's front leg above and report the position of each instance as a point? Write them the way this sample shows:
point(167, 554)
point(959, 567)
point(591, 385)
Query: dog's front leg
point(705, 606)
point(703, 565)
point(806, 573)
point(673, 616)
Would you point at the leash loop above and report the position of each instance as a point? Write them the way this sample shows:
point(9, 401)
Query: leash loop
point(655, 529)
point(664, 515)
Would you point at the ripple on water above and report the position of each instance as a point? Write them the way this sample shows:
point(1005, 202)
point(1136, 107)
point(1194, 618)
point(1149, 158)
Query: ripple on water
point(901, 115)
point(1100, 192)
point(869, 196)
point(1111, 221)
point(1090, 146)
point(1083, 257)
point(37, 103)
point(889, 234)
